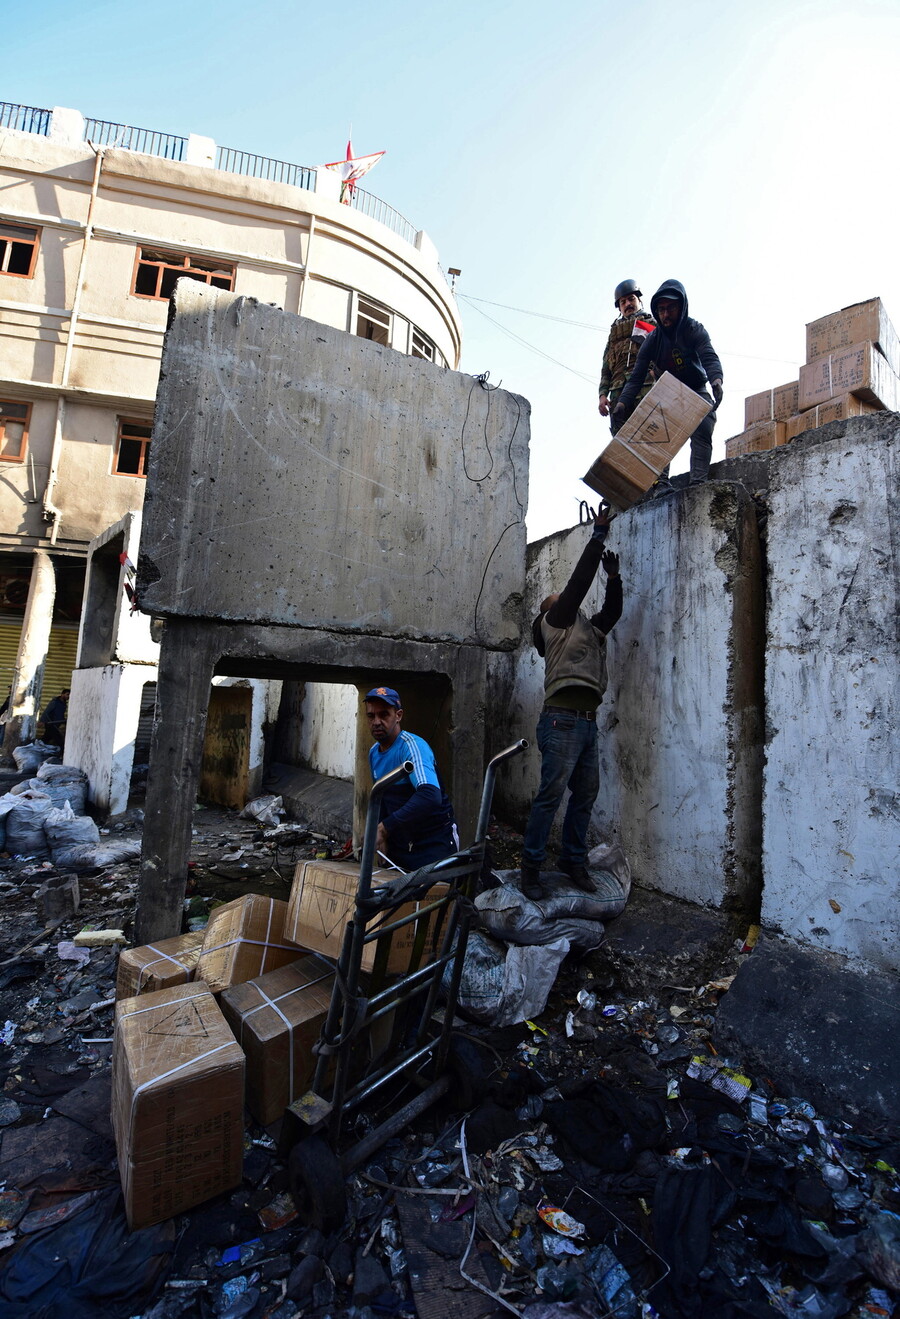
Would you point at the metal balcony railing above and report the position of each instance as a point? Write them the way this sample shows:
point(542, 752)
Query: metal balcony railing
point(26, 118)
point(378, 210)
point(264, 167)
point(103, 133)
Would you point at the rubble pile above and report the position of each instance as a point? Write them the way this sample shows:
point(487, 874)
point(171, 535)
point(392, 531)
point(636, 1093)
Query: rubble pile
point(611, 1161)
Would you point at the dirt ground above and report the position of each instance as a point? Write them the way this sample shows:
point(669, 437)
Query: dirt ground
point(611, 1164)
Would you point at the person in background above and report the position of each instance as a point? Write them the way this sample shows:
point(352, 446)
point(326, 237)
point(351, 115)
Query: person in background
point(626, 334)
point(54, 719)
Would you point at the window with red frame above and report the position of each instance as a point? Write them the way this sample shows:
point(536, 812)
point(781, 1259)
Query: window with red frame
point(18, 249)
point(155, 272)
point(14, 419)
point(132, 449)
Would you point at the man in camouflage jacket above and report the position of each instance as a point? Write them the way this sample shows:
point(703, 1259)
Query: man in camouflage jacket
point(625, 338)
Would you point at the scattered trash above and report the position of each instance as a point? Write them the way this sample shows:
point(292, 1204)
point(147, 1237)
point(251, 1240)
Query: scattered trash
point(265, 810)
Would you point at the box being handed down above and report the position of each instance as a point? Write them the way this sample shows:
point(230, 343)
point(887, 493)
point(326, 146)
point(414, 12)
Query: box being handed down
point(177, 1102)
point(276, 1020)
point(244, 939)
point(158, 965)
point(323, 899)
point(647, 442)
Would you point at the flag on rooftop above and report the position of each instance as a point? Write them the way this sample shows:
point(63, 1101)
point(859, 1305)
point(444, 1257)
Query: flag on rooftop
point(352, 169)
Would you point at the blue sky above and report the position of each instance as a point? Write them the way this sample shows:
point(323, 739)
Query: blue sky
point(550, 151)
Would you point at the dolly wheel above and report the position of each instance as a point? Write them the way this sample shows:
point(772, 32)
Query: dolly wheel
point(317, 1184)
point(469, 1065)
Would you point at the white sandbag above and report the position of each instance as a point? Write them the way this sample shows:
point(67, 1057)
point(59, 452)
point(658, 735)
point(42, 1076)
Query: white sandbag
point(267, 810)
point(502, 986)
point(505, 913)
point(25, 824)
point(94, 856)
point(32, 755)
point(63, 828)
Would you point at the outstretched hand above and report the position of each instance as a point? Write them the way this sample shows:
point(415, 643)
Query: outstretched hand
point(602, 517)
point(610, 561)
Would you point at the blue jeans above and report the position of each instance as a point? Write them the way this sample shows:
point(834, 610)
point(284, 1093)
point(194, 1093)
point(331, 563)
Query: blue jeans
point(569, 759)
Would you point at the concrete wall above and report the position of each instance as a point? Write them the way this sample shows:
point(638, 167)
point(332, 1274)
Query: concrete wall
point(832, 777)
point(328, 728)
point(103, 717)
point(305, 477)
point(679, 726)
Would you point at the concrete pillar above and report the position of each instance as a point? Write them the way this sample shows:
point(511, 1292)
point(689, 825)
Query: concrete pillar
point(187, 657)
point(26, 694)
point(200, 151)
point(66, 125)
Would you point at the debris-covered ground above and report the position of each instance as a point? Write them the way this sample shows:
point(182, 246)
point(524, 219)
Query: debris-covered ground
point(613, 1164)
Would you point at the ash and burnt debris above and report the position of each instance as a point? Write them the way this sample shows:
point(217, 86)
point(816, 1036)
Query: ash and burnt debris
point(613, 1161)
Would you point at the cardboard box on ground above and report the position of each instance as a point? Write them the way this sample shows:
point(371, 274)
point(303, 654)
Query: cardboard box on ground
point(177, 1102)
point(848, 405)
point(858, 369)
point(756, 439)
point(244, 938)
point(772, 404)
point(158, 966)
point(651, 437)
point(277, 1019)
point(322, 901)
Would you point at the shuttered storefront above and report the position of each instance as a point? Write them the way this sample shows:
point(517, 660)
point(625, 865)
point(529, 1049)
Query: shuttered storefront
point(60, 658)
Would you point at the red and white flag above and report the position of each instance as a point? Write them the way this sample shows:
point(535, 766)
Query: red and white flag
point(640, 330)
point(352, 169)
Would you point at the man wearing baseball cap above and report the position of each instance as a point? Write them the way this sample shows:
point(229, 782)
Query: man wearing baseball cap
point(417, 824)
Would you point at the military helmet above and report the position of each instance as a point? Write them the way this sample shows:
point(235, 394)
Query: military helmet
point(627, 286)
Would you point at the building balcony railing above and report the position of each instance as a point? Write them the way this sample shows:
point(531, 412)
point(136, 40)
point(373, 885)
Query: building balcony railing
point(103, 133)
point(264, 167)
point(26, 118)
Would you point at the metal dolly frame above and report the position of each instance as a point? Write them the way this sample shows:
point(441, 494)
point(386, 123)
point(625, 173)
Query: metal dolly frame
point(317, 1174)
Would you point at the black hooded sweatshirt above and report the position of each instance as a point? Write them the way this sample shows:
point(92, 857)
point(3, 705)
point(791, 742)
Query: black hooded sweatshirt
point(685, 351)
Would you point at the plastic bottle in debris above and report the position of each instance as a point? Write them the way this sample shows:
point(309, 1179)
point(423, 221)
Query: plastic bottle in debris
point(612, 1283)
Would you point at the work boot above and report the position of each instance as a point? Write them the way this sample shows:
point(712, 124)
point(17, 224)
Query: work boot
point(530, 882)
point(578, 875)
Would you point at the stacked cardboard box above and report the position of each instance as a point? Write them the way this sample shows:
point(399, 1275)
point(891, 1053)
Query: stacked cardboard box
point(158, 965)
point(651, 437)
point(852, 367)
point(277, 1019)
point(177, 1102)
point(244, 939)
point(323, 899)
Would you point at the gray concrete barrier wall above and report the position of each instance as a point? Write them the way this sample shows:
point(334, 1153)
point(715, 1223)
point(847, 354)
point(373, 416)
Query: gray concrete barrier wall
point(831, 850)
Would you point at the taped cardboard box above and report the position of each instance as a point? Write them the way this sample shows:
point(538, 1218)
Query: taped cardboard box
point(244, 939)
point(772, 404)
point(859, 369)
point(860, 323)
point(848, 405)
point(177, 1102)
point(276, 1020)
point(648, 441)
point(323, 899)
point(756, 439)
point(158, 965)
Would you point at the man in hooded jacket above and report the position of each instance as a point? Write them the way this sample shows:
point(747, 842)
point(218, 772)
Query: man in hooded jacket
point(680, 345)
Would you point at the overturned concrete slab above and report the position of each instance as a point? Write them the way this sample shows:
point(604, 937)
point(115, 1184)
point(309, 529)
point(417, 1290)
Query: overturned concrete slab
point(306, 477)
point(818, 1027)
point(831, 803)
point(319, 801)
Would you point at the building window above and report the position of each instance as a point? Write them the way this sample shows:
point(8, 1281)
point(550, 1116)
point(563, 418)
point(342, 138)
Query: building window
point(14, 419)
point(155, 272)
point(422, 345)
point(18, 249)
point(132, 449)
point(373, 322)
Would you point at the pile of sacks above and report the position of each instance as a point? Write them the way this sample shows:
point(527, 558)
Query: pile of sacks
point(517, 945)
point(43, 818)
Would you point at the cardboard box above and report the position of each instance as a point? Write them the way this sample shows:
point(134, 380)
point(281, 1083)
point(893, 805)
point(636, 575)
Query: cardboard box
point(276, 1020)
point(756, 439)
point(650, 438)
point(848, 405)
point(859, 369)
point(177, 1102)
point(863, 322)
point(244, 939)
point(772, 404)
point(158, 965)
point(323, 899)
